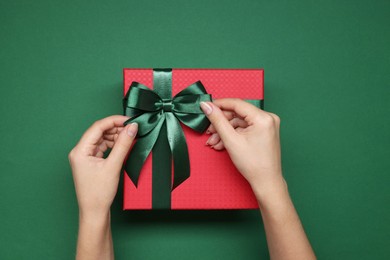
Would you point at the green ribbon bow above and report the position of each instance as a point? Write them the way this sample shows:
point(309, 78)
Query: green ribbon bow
point(158, 116)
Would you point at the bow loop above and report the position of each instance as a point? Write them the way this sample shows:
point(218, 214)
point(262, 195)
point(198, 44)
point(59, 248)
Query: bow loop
point(141, 98)
point(151, 119)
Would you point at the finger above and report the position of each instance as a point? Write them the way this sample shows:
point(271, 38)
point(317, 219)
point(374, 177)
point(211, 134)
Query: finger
point(110, 137)
point(110, 144)
point(213, 139)
point(228, 114)
point(243, 109)
point(240, 129)
point(238, 122)
point(219, 146)
point(100, 141)
point(96, 131)
point(211, 130)
point(111, 131)
point(99, 154)
point(114, 130)
point(99, 150)
point(105, 145)
point(122, 145)
point(218, 120)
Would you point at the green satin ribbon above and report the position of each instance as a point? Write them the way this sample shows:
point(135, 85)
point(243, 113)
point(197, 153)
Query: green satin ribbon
point(155, 110)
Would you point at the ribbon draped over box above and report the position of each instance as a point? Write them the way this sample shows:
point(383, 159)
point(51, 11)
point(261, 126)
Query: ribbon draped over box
point(158, 116)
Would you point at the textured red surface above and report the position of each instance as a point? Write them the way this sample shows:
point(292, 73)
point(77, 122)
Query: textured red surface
point(214, 182)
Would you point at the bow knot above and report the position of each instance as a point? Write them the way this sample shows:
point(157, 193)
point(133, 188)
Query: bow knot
point(167, 105)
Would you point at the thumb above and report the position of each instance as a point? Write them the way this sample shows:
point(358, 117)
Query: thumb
point(123, 144)
point(218, 120)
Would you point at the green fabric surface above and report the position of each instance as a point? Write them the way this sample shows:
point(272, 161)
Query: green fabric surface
point(326, 75)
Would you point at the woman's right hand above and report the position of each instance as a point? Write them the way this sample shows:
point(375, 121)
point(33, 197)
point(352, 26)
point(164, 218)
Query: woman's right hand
point(251, 137)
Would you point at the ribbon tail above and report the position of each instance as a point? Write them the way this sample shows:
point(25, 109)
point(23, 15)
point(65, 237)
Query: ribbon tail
point(140, 152)
point(179, 150)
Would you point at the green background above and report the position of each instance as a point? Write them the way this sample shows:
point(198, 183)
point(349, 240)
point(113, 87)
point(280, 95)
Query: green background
point(327, 67)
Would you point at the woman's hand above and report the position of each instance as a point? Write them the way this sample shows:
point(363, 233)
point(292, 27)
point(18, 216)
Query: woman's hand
point(96, 181)
point(251, 137)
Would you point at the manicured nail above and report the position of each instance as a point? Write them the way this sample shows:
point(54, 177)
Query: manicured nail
point(212, 139)
point(207, 109)
point(132, 130)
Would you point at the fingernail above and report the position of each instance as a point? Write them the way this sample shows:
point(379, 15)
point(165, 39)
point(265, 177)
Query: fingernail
point(207, 109)
point(212, 139)
point(132, 130)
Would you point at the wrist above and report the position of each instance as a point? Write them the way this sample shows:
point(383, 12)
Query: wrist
point(94, 236)
point(94, 219)
point(270, 192)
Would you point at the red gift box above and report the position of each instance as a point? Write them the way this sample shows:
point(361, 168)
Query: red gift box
point(214, 183)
